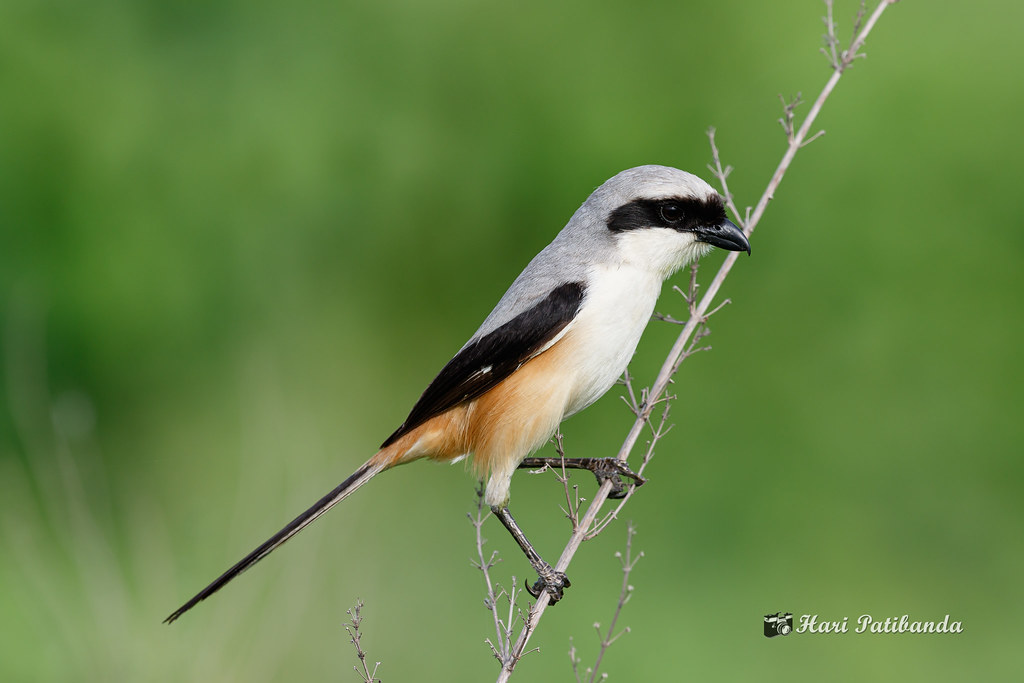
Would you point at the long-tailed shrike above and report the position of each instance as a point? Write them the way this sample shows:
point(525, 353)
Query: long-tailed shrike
point(558, 339)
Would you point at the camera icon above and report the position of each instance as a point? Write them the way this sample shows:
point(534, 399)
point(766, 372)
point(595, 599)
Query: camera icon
point(778, 624)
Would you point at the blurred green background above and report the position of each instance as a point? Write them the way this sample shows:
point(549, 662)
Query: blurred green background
point(237, 239)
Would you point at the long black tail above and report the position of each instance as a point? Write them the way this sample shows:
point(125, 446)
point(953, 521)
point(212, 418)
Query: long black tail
point(360, 477)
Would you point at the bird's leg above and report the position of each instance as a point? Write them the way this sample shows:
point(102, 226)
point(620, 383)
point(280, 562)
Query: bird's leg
point(605, 469)
point(549, 580)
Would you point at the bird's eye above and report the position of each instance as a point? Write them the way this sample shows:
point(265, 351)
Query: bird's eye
point(671, 212)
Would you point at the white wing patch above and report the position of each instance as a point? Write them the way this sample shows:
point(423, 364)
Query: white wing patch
point(554, 340)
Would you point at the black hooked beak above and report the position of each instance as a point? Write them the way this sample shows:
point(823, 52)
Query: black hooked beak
point(725, 235)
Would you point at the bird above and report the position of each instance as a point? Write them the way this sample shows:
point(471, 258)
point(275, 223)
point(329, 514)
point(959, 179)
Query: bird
point(557, 340)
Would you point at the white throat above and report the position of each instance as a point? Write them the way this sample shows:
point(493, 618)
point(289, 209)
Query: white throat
point(662, 251)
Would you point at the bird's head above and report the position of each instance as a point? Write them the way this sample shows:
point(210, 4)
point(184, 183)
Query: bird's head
point(661, 217)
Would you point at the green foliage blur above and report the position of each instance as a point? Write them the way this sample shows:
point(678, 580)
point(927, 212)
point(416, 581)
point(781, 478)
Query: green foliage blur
point(237, 239)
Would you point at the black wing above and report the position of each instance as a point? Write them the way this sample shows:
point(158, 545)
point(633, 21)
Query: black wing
point(495, 356)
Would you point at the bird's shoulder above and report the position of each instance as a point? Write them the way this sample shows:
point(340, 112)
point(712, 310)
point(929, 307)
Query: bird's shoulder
point(494, 353)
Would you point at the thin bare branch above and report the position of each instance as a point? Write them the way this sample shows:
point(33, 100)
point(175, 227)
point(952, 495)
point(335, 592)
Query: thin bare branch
point(812, 138)
point(352, 626)
point(682, 342)
point(722, 174)
point(625, 593)
point(606, 639)
point(573, 502)
point(501, 646)
point(831, 41)
point(789, 115)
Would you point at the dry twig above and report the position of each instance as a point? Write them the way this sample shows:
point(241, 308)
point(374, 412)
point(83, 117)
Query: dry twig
point(610, 636)
point(501, 647)
point(352, 627)
point(796, 138)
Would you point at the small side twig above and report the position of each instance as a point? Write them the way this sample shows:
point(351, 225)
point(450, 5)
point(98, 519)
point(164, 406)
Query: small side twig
point(840, 60)
point(722, 175)
point(610, 636)
point(352, 626)
point(501, 647)
point(573, 501)
point(658, 430)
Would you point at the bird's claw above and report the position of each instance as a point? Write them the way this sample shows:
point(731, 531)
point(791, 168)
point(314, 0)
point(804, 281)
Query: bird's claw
point(613, 470)
point(549, 581)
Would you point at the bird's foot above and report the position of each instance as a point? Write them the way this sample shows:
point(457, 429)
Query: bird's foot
point(615, 470)
point(605, 469)
point(549, 581)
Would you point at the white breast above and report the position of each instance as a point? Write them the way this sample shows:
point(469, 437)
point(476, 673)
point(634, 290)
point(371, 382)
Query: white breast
point(618, 305)
point(619, 301)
